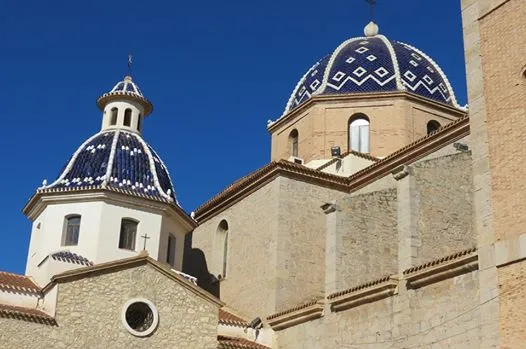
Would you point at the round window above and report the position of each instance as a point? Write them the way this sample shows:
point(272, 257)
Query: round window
point(140, 317)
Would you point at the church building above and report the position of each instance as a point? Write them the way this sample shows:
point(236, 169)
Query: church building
point(388, 217)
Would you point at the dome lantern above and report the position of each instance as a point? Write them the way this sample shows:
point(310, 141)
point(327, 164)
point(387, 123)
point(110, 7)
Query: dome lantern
point(124, 107)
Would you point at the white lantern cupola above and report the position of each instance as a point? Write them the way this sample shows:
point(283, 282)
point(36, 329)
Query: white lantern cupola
point(124, 107)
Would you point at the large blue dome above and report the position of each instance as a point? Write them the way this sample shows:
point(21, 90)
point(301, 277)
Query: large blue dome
point(374, 64)
point(118, 160)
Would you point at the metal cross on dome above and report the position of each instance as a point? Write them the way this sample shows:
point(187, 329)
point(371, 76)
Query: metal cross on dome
point(371, 6)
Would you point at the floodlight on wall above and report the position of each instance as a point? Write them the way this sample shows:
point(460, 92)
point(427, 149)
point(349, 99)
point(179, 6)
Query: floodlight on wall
point(336, 151)
point(460, 146)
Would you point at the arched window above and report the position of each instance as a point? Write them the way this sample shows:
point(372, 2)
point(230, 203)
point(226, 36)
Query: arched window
point(170, 250)
point(222, 246)
point(128, 234)
point(293, 142)
point(139, 120)
point(432, 126)
point(359, 133)
point(127, 117)
point(113, 116)
point(70, 235)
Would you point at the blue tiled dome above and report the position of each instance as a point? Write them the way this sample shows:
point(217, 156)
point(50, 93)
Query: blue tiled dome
point(374, 64)
point(117, 160)
point(126, 88)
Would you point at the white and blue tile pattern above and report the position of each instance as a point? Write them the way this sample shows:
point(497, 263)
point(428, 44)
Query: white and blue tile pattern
point(118, 159)
point(374, 64)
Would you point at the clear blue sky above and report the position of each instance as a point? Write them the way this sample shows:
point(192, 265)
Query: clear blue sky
point(215, 71)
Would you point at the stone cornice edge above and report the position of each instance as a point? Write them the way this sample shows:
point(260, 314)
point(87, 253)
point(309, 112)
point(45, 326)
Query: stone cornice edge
point(297, 315)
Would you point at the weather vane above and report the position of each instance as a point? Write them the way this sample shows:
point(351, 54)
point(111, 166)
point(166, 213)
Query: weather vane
point(130, 64)
point(371, 6)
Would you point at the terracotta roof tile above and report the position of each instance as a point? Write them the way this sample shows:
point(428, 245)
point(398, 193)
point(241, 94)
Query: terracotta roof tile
point(291, 310)
point(17, 283)
point(227, 318)
point(440, 260)
point(359, 287)
point(26, 314)
point(237, 343)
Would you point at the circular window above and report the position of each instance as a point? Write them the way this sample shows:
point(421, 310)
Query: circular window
point(140, 317)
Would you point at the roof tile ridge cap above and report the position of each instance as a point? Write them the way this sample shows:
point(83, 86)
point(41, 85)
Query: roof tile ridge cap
point(239, 319)
point(363, 155)
point(419, 141)
point(300, 82)
point(152, 168)
point(295, 308)
point(239, 183)
point(442, 74)
point(361, 286)
point(394, 58)
point(71, 161)
point(167, 172)
point(441, 260)
point(335, 54)
point(111, 159)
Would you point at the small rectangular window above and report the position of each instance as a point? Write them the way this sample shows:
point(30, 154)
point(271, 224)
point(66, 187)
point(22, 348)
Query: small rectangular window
point(70, 236)
point(170, 251)
point(128, 234)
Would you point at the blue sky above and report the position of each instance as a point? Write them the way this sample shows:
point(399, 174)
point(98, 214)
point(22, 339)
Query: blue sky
point(215, 71)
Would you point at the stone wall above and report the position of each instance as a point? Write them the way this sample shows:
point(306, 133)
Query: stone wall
point(301, 242)
point(440, 315)
point(366, 238)
point(88, 314)
point(252, 251)
point(443, 205)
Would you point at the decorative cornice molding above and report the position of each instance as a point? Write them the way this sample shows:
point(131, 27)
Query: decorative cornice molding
point(443, 268)
point(365, 293)
point(296, 315)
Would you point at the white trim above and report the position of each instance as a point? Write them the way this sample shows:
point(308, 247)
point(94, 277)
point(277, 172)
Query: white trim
point(440, 72)
point(111, 158)
point(152, 167)
point(152, 307)
point(399, 85)
point(167, 173)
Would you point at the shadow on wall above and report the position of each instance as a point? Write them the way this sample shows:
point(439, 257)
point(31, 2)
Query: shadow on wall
point(194, 263)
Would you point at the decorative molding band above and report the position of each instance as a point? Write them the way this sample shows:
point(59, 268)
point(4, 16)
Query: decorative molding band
point(297, 315)
point(366, 293)
point(441, 269)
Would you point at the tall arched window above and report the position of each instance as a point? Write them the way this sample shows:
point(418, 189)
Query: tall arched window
point(113, 116)
point(293, 142)
point(70, 235)
point(170, 250)
point(128, 234)
point(432, 126)
point(222, 246)
point(359, 133)
point(127, 117)
point(139, 120)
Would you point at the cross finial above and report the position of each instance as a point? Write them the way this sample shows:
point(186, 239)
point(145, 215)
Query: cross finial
point(145, 237)
point(129, 63)
point(371, 7)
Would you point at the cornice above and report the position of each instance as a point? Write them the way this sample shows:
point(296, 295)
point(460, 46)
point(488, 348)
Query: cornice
point(365, 293)
point(296, 315)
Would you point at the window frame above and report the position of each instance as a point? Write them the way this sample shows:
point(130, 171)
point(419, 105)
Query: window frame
point(114, 113)
point(66, 232)
point(123, 240)
point(361, 130)
point(127, 117)
point(294, 136)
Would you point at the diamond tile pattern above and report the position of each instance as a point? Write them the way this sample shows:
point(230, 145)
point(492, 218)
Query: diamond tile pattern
point(134, 166)
point(366, 65)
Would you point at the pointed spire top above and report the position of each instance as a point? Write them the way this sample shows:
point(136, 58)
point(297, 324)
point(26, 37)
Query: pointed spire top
point(371, 7)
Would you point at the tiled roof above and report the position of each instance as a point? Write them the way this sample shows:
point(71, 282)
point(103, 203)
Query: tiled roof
point(237, 343)
point(359, 287)
point(291, 310)
point(26, 314)
point(344, 155)
point(17, 283)
point(408, 154)
point(440, 261)
point(227, 318)
point(69, 257)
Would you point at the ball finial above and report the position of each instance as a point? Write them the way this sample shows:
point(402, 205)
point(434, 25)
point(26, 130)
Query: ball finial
point(371, 29)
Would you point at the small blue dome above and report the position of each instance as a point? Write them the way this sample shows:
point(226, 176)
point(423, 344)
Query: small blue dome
point(126, 89)
point(118, 160)
point(374, 64)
